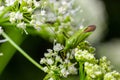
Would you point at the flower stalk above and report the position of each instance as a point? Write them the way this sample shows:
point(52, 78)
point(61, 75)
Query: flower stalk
point(81, 71)
point(21, 50)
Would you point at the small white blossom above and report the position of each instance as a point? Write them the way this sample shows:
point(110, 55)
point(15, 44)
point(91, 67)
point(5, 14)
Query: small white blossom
point(49, 50)
point(105, 64)
point(21, 25)
point(72, 69)
point(57, 47)
point(9, 2)
point(18, 16)
point(50, 61)
point(84, 55)
point(64, 3)
point(64, 72)
point(25, 8)
point(93, 70)
point(47, 55)
point(45, 69)
point(30, 10)
point(43, 60)
point(58, 58)
point(43, 12)
point(12, 20)
point(37, 25)
point(36, 3)
point(61, 10)
point(12, 17)
point(114, 75)
point(29, 2)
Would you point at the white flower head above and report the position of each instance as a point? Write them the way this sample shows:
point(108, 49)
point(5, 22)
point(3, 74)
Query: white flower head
point(12, 17)
point(10, 2)
point(43, 12)
point(47, 55)
point(21, 25)
point(72, 69)
point(36, 3)
point(57, 47)
point(18, 16)
point(43, 60)
point(45, 69)
point(36, 24)
point(30, 10)
point(50, 61)
point(93, 70)
point(29, 2)
point(64, 72)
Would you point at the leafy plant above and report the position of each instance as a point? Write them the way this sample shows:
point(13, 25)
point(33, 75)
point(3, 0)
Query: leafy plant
point(52, 20)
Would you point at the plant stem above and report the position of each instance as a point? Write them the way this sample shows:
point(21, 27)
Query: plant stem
point(81, 71)
point(21, 51)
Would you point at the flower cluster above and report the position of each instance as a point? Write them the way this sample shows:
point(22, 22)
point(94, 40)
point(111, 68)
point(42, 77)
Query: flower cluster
point(95, 69)
point(56, 65)
point(42, 15)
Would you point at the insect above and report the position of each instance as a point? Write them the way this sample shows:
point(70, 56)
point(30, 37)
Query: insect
point(78, 37)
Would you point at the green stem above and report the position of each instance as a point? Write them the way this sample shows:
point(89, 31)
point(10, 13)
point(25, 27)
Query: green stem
point(81, 71)
point(21, 51)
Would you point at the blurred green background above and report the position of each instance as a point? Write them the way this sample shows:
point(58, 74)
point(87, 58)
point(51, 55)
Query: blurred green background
point(19, 68)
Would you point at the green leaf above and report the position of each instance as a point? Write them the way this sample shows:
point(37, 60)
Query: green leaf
point(7, 49)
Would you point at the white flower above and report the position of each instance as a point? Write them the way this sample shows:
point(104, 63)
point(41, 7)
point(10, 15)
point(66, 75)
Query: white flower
point(42, 12)
point(114, 75)
point(58, 58)
point(21, 25)
point(64, 3)
point(61, 10)
point(93, 70)
point(30, 10)
point(72, 69)
point(12, 17)
point(45, 69)
point(50, 61)
point(12, 20)
point(64, 72)
point(37, 25)
point(84, 55)
point(15, 16)
point(36, 3)
point(18, 16)
point(10, 2)
point(43, 60)
point(47, 55)
point(49, 50)
point(57, 47)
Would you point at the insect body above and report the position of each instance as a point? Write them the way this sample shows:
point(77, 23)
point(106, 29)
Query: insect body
point(78, 37)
